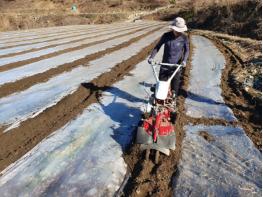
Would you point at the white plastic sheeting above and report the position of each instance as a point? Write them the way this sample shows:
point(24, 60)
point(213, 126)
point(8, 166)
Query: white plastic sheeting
point(21, 34)
point(34, 100)
point(36, 33)
point(84, 158)
point(49, 33)
point(216, 160)
point(87, 39)
point(204, 92)
point(227, 165)
point(44, 65)
point(44, 38)
point(57, 40)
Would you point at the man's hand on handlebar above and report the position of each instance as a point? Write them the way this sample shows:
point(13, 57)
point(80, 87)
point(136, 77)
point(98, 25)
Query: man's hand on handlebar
point(183, 64)
point(150, 61)
point(153, 62)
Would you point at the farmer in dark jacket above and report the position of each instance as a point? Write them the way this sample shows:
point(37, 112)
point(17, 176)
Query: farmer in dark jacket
point(176, 51)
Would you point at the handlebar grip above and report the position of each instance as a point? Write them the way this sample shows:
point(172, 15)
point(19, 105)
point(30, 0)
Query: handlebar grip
point(167, 64)
point(164, 64)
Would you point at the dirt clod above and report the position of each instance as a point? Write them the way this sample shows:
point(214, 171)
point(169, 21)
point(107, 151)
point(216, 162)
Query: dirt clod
point(208, 137)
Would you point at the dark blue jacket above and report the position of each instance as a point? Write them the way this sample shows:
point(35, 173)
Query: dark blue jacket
point(176, 49)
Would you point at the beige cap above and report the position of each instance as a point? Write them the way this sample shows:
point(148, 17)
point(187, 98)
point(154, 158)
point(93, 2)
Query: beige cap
point(178, 25)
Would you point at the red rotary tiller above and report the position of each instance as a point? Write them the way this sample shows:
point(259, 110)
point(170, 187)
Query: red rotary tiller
point(156, 130)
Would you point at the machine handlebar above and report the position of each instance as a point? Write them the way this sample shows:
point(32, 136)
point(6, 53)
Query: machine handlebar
point(167, 64)
point(154, 64)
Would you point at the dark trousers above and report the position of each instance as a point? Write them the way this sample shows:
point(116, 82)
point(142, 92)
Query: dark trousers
point(166, 72)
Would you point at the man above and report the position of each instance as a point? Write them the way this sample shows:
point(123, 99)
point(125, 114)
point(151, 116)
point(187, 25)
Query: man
point(176, 51)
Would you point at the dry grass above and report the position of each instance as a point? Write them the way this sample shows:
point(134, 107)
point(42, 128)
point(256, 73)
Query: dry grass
point(197, 5)
point(201, 4)
point(249, 52)
point(25, 14)
point(207, 3)
point(83, 6)
point(4, 22)
point(235, 17)
point(12, 21)
point(246, 49)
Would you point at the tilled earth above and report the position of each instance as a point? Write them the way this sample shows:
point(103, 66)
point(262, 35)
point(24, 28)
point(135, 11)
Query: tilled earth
point(144, 177)
point(19, 140)
point(245, 101)
point(145, 174)
point(148, 178)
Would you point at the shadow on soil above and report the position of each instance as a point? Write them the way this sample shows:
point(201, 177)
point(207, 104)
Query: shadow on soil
point(198, 98)
point(125, 117)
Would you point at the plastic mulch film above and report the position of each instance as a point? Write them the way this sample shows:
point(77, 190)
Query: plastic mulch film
point(204, 93)
point(218, 161)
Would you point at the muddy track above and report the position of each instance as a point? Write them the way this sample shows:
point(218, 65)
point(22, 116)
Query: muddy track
point(50, 55)
point(18, 141)
point(236, 98)
point(27, 82)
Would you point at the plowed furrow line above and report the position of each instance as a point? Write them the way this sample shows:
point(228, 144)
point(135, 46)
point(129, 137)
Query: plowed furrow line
point(27, 82)
point(21, 33)
point(6, 51)
point(36, 55)
point(39, 97)
point(44, 34)
point(61, 29)
point(15, 46)
point(11, 52)
point(32, 131)
point(42, 66)
point(29, 39)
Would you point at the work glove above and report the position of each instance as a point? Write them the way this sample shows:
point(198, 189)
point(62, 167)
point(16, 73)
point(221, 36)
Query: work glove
point(150, 60)
point(183, 64)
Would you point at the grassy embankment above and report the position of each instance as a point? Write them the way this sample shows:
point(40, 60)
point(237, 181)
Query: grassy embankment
point(26, 14)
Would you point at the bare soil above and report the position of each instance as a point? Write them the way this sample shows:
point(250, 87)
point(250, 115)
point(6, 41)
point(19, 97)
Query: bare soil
point(149, 179)
point(18, 141)
point(27, 82)
point(24, 62)
point(246, 105)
